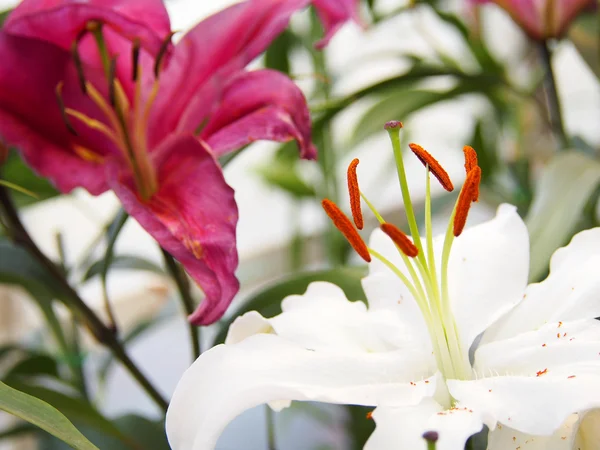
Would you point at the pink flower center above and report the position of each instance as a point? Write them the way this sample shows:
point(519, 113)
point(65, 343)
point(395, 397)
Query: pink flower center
point(126, 123)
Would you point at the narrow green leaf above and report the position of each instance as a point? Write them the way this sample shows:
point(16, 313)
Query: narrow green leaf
point(41, 414)
point(561, 195)
point(268, 301)
point(75, 409)
point(15, 171)
point(123, 262)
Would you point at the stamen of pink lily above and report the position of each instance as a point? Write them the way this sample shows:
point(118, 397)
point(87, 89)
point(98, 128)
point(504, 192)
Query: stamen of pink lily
point(147, 119)
point(542, 19)
point(535, 350)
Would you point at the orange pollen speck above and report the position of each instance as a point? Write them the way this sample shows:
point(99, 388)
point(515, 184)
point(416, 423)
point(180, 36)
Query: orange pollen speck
point(434, 167)
point(345, 226)
point(354, 192)
point(541, 372)
point(400, 239)
point(468, 192)
point(370, 415)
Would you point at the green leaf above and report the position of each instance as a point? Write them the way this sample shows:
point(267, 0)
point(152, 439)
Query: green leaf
point(561, 195)
point(268, 301)
point(399, 104)
point(123, 262)
point(17, 172)
point(43, 415)
point(278, 54)
point(34, 365)
point(75, 409)
point(144, 435)
point(285, 177)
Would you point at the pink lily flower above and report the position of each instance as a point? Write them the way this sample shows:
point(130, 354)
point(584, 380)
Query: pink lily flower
point(147, 119)
point(542, 19)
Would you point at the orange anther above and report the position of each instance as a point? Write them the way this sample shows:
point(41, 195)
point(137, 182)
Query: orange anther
point(400, 239)
point(434, 167)
point(470, 158)
point(370, 415)
point(345, 226)
point(354, 192)
point(470, 164)
point(467, 195)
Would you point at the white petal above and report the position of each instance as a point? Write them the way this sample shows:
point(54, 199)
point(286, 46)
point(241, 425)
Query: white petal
point(534, 405)
point(322, 318)
point(389, 297)
point(488, 272)
point(506, 438)
point(563, 346)
point(403, 428)
point(588, 434)
point(571, 291)
point(228, 379)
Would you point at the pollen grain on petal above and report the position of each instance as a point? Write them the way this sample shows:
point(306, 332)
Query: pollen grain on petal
point(400, 239)
point(434, 166)
point(354, 192)
point(343, 223)
point(467, 195)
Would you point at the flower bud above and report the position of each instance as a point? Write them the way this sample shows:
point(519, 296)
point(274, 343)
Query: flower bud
point(542, 19)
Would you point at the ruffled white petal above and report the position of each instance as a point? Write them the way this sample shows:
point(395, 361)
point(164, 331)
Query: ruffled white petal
point(228, 379)
point(533, 405)
point(571, 291)
point(506, 438)
point(488, 272)
point(554, 347)
point(403, 428)
point(322, 318)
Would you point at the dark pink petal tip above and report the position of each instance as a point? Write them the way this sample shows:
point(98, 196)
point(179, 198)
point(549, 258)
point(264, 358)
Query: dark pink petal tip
point(193, 216)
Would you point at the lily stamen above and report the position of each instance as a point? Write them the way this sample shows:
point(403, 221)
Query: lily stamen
point(433, 165)
point(354, 192)
point(161, 53)
point(135, 59)
point(343, 223)
point(470, 158)
point(468, 194)
point(400, 239)
point(63, 109)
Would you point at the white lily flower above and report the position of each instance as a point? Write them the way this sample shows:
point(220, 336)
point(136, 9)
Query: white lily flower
point(536, 364)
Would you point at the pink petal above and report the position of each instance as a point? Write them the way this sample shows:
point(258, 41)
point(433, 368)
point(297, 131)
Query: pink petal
point(334, 14)
point(60, 21)
point(264, 104)
point(225, 43)
point(193, 216)
point(30, 117)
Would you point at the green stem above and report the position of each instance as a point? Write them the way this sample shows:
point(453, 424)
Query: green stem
point(78, 373)
point(72, 300)
point(552, 98)
point(270, 428)
point(186, 300)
